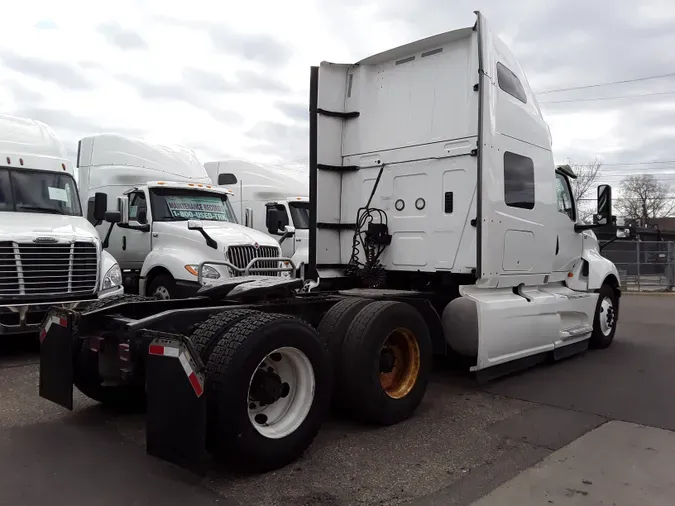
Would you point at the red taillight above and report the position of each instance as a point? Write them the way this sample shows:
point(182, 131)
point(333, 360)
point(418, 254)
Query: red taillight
point(20, 161)
point(123, 352)
point(9, 161)
point(96, 344)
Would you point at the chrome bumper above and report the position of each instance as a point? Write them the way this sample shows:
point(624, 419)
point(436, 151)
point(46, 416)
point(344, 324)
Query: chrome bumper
point(26, 317)
point(249, 270)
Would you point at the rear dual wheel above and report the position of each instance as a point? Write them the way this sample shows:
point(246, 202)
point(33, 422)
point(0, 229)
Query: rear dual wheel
point(269, 383)
point(383, 358)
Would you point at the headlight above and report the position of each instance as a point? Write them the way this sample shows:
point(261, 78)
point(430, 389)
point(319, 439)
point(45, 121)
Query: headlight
point(285, 265)
point(112, 278)
point(208, 272)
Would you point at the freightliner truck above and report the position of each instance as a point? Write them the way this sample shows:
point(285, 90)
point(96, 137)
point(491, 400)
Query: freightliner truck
point(439, 224)
point(49, 254)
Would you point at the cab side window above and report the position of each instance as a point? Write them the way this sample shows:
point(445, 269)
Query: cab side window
point(564, 196)
point(5, 192)
point(137, 206)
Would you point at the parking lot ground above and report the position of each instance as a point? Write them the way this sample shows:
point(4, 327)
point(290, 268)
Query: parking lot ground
point(465, 441)
point(619, 463)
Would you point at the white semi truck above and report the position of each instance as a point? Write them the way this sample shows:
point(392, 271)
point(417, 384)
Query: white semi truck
point(49, 254)
point(271, 200)
point(172, 218)
point(438, 224)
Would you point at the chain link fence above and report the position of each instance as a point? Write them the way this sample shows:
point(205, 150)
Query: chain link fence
point(645, 266)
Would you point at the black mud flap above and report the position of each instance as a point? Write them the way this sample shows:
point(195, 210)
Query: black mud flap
point(57, 343)
point(176, 402)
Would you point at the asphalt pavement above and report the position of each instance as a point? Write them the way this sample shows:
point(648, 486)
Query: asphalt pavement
point(466, 440)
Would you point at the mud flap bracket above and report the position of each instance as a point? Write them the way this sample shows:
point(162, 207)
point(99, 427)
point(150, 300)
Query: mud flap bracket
point(57, 342)
point(176, 401)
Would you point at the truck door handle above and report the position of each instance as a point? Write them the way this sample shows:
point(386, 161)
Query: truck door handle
point(124, 243)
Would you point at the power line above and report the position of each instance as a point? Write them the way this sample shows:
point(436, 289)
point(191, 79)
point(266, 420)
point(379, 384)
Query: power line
point(597, 85)
point(622, 163)
point(624, 97)
point(621, 198)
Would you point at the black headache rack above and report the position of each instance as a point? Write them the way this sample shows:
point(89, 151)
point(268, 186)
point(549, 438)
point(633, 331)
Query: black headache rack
point(147, 342)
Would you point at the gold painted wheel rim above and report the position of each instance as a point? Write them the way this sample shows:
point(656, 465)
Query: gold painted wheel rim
point(398, 382)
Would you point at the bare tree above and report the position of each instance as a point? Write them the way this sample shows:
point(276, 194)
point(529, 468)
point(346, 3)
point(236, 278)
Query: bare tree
point(644, 197)
point(583, 185)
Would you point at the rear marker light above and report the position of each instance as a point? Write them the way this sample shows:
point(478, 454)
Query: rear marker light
point(20, 161)
point(123, 352)
point(9, 161)
point(63, 166)
point(96, 344)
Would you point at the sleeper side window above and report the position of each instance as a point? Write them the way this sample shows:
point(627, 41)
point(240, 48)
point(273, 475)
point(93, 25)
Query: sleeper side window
point(510, 83)
point(518, 181)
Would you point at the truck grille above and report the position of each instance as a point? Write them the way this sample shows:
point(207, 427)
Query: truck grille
point(30, 270)
point(240, 256)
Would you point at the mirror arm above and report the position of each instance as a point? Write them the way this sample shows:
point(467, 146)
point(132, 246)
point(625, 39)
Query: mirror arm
point(210, 242)
point(608, 243)
point(587, 226)
point(106, 241)
point(285, 236)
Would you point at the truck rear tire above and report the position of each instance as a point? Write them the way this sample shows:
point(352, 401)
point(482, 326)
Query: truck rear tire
point(388, 358)
point(269, 384)
point(333, 328)
point(85, 367)
point(207, 333)
point(111, 301)
point(604, 321)
point(336, 321)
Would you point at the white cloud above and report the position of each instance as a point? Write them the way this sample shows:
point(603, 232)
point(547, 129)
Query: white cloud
point(232, 79)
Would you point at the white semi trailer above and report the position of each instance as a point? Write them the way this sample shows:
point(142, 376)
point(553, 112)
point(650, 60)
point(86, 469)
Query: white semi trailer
point(49, 254)
point(271, 200)
point(438, 223)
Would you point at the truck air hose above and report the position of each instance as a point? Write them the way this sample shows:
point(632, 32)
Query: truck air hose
point(371, 272)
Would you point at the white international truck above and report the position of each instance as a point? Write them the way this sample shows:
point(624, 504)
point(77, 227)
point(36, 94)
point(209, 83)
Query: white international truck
point(49, 254)
point(439, 224)
point(171, 218)
point(272, 200)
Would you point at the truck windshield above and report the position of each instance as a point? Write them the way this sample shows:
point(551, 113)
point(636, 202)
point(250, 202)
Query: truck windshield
point(299, 214)
point(38, 191)
point(173, 204)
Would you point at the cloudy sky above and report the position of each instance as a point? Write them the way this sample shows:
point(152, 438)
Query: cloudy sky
point(230, 79)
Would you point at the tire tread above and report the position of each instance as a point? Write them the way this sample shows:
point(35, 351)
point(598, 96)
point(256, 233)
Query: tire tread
point(206, 334)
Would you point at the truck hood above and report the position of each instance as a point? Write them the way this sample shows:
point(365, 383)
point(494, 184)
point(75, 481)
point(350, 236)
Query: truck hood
point(23, 227)
point(226, 234)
